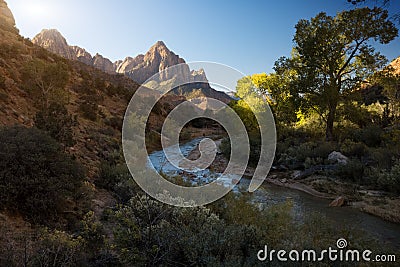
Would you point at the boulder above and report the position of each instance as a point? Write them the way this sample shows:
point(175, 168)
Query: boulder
point(338, 157)
point(338, 202)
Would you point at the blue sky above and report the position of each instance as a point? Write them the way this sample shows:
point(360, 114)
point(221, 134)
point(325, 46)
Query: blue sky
point(247, 35)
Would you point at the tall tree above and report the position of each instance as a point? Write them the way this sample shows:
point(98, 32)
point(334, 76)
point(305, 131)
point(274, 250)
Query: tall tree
point(334, 54)
point(46, 82)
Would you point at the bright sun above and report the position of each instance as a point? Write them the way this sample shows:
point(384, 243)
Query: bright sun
point(36, 8)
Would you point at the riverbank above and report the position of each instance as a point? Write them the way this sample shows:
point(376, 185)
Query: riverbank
point(376, 203)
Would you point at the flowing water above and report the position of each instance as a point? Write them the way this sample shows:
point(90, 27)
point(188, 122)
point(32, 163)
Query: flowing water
point(304, 204)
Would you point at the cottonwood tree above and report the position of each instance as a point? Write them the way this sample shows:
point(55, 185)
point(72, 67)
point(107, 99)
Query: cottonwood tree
point(332, 55)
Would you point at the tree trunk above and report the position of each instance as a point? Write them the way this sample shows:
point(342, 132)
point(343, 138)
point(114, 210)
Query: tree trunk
point(329, 124)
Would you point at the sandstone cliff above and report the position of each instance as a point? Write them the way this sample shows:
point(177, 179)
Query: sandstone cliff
point(53, 41)
point(139, 68)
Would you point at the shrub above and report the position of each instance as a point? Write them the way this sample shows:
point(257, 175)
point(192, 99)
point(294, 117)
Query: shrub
point(57, 248)
point(36, 177)
point(381, 157)
point(45, 82)
point(308, 153)
point(370, 135)
point(225, 147)
point(89, 108)
point(352, 171)
point(353, 149)
point(150, 233)
point(57, 122)
point(390, 180)
point(117, 179)
point(114, 122)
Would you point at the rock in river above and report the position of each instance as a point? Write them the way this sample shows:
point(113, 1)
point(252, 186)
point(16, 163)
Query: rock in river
point(338, 202)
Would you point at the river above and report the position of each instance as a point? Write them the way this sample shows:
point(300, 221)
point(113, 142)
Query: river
point(304, 204)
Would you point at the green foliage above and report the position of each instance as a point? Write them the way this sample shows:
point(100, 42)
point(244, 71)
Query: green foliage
point(357, 114)
point(90, 88)
point(116, 178)
point(89, 108)
point(390, 180)
point(353, 149)
point(278, 91)
point(333, 54)
point(225, 147)
point(151, 233)
point(370, 135)
point(57, 122)
point(92, 232)
point(58, 248)
point(118, 90)
point(9, 51)
point(45, 81)
point(353, 171)
point(36, 177)
point(246, 115)
point(255, 148)
point(307, 153)
point(390, 81)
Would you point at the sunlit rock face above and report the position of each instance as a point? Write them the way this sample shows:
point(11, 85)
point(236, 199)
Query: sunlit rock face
point(53, 41)
point(158, 59)
point(6, 16)
point(395, 64)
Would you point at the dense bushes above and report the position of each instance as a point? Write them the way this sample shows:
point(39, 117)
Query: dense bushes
point(36, 178)
point(57, 122)
point(89, 108)
point(370, 135)
point(149, 233)
point(390, 180)
point(46, 82)
point(307, 153)
point(116, 178)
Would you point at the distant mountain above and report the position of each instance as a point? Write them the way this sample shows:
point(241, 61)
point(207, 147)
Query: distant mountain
point(139, 68)
point(53, 41)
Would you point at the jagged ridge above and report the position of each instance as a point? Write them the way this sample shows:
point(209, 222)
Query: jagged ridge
point(139, 68)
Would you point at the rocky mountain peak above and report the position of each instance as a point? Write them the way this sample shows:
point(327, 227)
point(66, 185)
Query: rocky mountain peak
point(6, 16)
point(139, 68)
point(157, 59)
point(52, 40)
point(55, 42)
point(51, 34)
point(160, 44)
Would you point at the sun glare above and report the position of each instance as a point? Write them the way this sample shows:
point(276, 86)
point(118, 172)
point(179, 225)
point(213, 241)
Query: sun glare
point(36, 9)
